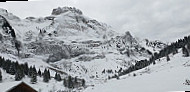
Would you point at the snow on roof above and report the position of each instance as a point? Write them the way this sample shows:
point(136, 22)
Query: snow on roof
point(8, 85)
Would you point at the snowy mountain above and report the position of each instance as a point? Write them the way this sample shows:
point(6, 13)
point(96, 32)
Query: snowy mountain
point(163, 77)
point(70, 24)
point(71, 44)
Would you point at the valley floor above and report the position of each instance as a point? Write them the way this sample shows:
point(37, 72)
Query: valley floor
point(162, 77)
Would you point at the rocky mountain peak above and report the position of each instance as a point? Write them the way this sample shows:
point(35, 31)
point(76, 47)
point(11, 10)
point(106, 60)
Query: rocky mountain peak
point(128, 37)
point(59, 10)
point(128, 34)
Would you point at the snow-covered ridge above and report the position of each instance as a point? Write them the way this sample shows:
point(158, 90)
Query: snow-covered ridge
point(64, 23)
point(69, 41)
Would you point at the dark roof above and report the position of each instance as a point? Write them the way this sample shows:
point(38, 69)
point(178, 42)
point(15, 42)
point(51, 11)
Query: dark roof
point(21, 87)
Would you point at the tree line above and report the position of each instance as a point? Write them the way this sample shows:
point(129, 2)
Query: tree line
point(21, 70)
point(184, 44)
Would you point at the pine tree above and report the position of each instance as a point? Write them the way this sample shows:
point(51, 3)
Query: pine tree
point(7, 65)
point(17, 65)
point(34, 71)
point(45, 76)
point(39, 73)
point(1, 61)
point(12, 69)
point(0, 76)
point(33, 79)
point(33, 75)
point(188, 47)
point(58, 77)
point(26, 69)
point(76, 80)
point(65, 82)
point(70, 83)
point(55, 76)
point(48, 74)
point(19, 75)
point(30, 71)
point(83, 82)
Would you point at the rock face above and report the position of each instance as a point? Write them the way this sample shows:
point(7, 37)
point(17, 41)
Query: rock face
point(58, 56)
point(45, 35)
point(155, 44)
point(60, 10)
point(127, 45)
point(89, 58)
point(126, 41)
point(67, 52)
point(68, 24)
point(72, 19)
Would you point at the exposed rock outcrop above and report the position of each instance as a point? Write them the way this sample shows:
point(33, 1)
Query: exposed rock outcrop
point(60, 10)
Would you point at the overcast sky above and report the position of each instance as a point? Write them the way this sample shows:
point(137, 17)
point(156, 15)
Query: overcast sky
point(153, 19)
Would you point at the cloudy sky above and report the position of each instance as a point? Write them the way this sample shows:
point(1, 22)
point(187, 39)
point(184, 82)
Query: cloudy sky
point(164, 20)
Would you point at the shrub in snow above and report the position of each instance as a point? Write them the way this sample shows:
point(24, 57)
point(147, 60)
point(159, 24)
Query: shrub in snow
point(187, 82)
point(167, 58)
point(134, 74)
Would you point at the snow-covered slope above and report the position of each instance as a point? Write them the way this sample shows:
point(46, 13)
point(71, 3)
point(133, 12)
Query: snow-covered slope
point(165, 76)
point(65, 24)
point(9, 82)
point(68, 35)
point(71, 43)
